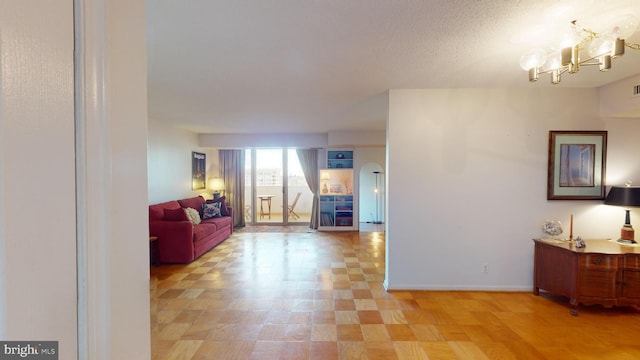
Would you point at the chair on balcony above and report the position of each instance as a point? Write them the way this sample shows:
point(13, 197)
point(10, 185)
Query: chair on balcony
point(292, 213)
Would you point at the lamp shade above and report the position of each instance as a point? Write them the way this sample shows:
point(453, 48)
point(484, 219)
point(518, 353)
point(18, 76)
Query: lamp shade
point(623, 196)
point(216, 184)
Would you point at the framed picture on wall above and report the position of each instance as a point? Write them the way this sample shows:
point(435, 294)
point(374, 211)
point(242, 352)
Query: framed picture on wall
point(198, 170)
point(576, 169)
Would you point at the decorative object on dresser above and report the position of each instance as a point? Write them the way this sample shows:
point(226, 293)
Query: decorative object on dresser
point(576, 165)
point(552, 227)
point(603, 272)
point(626, 196)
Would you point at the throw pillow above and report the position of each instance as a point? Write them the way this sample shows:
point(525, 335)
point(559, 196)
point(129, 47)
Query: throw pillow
point(175, 215)
point(223, 205)
point(211, 210)
point(194, 215)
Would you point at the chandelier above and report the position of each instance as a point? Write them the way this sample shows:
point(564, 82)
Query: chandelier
point(578, 47)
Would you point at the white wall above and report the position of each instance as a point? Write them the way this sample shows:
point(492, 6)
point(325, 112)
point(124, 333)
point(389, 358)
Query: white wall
point(617, 99)
point(306, 140)
point(356, 138)
point(37, 190)
point(466, 182)
point(252, 140)
point(169, 165)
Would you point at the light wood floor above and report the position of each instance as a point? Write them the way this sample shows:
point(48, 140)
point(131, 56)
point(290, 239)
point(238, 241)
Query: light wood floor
point(320, 296)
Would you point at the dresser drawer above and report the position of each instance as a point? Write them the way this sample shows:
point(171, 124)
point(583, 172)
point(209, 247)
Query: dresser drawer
point(631, 284)
point(599, 262)
point(598, 283)
point(632, 262)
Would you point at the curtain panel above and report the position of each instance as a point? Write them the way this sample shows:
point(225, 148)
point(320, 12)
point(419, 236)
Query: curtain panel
point(232, 167)
point(309, 162)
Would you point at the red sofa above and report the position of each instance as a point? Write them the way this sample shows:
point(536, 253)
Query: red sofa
point(182, 241)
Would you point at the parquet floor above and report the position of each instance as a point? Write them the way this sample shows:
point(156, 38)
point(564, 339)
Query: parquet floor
point(320, 296)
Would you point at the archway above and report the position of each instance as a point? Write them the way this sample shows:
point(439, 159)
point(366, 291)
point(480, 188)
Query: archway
point(371, 208)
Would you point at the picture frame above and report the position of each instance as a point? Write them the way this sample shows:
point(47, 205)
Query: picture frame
point(576, 165)
point(198, 170)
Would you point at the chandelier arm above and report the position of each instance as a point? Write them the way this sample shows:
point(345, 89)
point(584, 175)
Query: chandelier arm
point(591, 34)
point(564, 70)
point(632, 46)
point(589, 64)
point(587, 61)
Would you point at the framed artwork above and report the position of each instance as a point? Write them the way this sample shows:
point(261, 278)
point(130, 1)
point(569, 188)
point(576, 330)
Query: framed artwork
point(198, 170)
point(577, 162)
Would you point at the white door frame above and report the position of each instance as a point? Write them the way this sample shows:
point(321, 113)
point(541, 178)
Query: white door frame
point(93, 185)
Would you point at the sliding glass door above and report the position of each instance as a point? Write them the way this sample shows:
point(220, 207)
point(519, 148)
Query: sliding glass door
point(269, 185)
point(270, 196)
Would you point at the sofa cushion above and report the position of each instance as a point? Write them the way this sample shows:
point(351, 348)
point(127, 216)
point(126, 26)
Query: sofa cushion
point(194, 202)
point(204, 230)
point(211, 211)
point(221, 222)
point(194, 215)
point(156, 212)
point(175, 215)
point(223, 205)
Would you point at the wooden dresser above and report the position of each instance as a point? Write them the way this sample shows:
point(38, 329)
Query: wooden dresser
point(604, 272)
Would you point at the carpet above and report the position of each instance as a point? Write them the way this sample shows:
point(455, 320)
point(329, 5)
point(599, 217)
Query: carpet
point(273, 229)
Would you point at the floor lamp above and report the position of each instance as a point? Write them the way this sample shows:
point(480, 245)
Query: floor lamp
point(376, 190)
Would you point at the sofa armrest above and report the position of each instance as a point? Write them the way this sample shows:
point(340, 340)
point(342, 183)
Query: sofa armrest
point(175, 240)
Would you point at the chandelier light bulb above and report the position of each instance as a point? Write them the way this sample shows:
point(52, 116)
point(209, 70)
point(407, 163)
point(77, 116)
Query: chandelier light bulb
point(626, 26)
point(570, 37)
point(533, 58)
point(602, 45)
point(553, 62)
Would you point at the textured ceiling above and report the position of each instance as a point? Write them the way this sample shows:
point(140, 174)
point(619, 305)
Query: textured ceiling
point(308, 66)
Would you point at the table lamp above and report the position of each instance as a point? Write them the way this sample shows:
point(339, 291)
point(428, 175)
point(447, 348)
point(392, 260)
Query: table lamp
point(626, 196)
point(217, 185)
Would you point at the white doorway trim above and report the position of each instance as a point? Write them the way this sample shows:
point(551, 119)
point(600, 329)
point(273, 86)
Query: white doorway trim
point(93, 179)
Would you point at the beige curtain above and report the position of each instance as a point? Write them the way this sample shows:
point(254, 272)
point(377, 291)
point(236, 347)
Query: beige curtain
point(232, 168)
point(309, 162)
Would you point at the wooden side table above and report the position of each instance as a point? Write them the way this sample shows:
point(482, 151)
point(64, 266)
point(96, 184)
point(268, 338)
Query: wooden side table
point(154, 250)
point(265, 199)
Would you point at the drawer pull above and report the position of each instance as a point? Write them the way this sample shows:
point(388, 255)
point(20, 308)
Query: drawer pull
point(597, 261)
